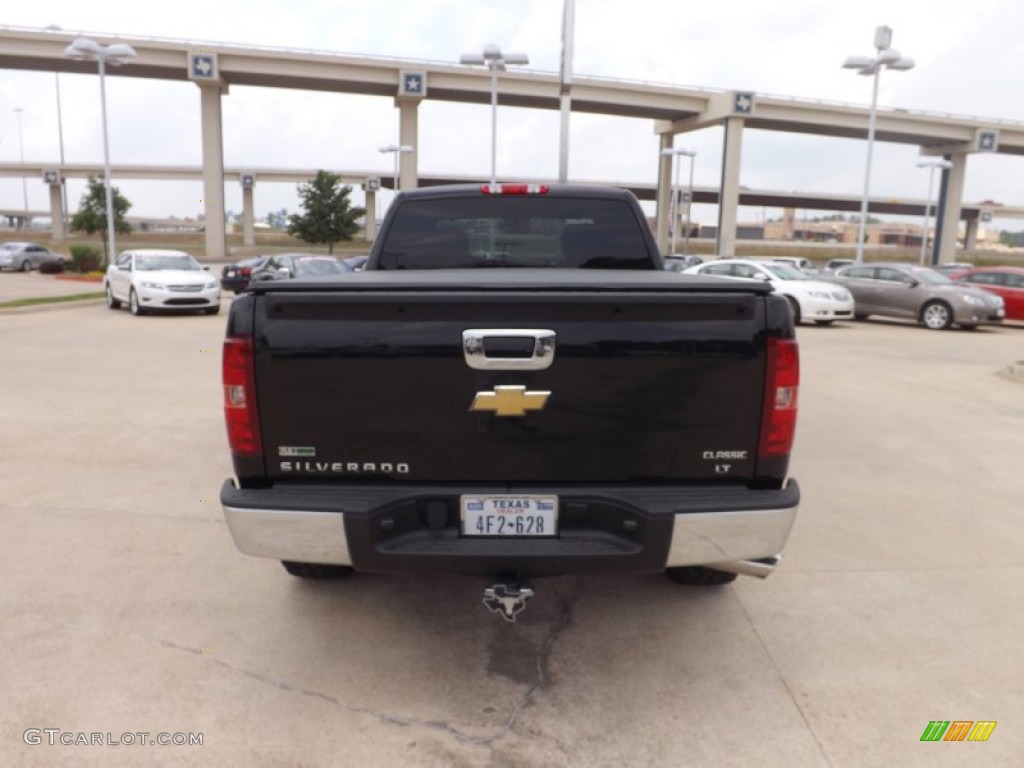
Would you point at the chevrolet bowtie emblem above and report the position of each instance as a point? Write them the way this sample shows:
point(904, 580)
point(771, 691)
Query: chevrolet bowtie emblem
point(509, 401)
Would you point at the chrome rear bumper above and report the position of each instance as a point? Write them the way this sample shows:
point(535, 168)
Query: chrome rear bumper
point(304, 537)
point(747, 542)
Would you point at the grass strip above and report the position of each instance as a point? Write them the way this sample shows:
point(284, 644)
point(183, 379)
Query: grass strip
point(50, 300)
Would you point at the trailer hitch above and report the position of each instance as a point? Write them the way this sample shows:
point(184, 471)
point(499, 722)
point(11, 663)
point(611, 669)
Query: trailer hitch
point(507, 597)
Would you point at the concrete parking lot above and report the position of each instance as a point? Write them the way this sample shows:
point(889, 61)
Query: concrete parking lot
point(127, 609)
point(31, 285)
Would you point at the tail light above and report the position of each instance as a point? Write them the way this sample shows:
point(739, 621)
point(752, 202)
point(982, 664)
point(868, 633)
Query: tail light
point(514, 189)
point(781, 386)
point(245, 271)
point(240, 397)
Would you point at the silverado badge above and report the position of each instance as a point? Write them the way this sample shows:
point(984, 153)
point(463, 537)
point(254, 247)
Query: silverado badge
point(509, 401)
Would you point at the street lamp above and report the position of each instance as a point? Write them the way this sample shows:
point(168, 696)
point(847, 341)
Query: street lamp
point(404, 149)
point(674, 213)
point(82, 49)
point(21, 153)
point(495, 61)
point(60, 137)
point(931, 165)
point(886, 58)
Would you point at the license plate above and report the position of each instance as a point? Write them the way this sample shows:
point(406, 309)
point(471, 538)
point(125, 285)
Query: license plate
point(509, 516)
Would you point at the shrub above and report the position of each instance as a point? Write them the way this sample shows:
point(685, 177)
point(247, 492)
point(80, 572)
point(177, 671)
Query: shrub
point(86, 258)
point(51, 268)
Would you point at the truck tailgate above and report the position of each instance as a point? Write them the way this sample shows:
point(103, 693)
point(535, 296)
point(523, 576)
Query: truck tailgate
point(650, 381)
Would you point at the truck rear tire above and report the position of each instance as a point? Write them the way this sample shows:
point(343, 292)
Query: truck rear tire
point(316, 570)
point(699, 576)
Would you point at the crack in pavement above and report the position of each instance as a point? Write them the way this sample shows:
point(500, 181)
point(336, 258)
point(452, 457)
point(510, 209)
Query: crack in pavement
point(564, 619)
point(568, 609)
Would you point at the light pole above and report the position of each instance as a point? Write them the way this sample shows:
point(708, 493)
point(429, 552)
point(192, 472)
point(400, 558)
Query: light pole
point(886, 58)
point(495, 61)
point(674, 209)
point(404, 149)
point(21, 154)
point(82, 48)
point(931, 165)
point(60, 138)
point(565, 88)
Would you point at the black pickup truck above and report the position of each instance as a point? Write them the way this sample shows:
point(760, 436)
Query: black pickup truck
point(514, 388)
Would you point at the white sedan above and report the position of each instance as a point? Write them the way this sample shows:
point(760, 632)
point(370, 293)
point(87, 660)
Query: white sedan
point(824, 303)
point(152, 279)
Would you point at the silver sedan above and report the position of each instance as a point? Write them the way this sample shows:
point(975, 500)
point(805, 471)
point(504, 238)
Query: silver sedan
point(917, 293)
point(26, 256)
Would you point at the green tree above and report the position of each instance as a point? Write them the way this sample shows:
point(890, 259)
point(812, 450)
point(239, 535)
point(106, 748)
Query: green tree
point(91, 216)
point(329, 216)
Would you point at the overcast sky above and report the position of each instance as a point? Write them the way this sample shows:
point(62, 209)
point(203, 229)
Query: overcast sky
point(970, 59)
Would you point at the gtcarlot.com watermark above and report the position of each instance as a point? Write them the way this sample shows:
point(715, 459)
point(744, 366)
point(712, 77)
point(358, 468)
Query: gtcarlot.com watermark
point(55, 736)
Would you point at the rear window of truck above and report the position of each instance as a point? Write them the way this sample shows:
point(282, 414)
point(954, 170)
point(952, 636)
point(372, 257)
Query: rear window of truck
point(515, 231)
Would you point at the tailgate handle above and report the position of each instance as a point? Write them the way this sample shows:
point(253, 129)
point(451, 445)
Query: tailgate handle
point(542, 356)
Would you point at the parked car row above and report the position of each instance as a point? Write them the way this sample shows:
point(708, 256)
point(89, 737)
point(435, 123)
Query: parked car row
point(283, 266)
point(150, 280)
point(983, 296)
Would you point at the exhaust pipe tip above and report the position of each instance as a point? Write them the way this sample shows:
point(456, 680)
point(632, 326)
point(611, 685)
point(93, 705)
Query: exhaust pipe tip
point(761, 567)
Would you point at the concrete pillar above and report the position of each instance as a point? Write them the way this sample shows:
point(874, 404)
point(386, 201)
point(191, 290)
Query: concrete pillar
point(663, 207)
point(951, 194)
point(729, 194)
point(213, 170)
point(371, 215)
point(248, 217)
point(971, 236)
point(408, 131)
point(57, 213)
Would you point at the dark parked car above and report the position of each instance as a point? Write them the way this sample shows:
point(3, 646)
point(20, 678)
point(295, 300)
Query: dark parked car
point(27, 256)
point(1007, 282)
point(917, 293)
point(285, 266)
point(235, 277)
point(356, 262)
